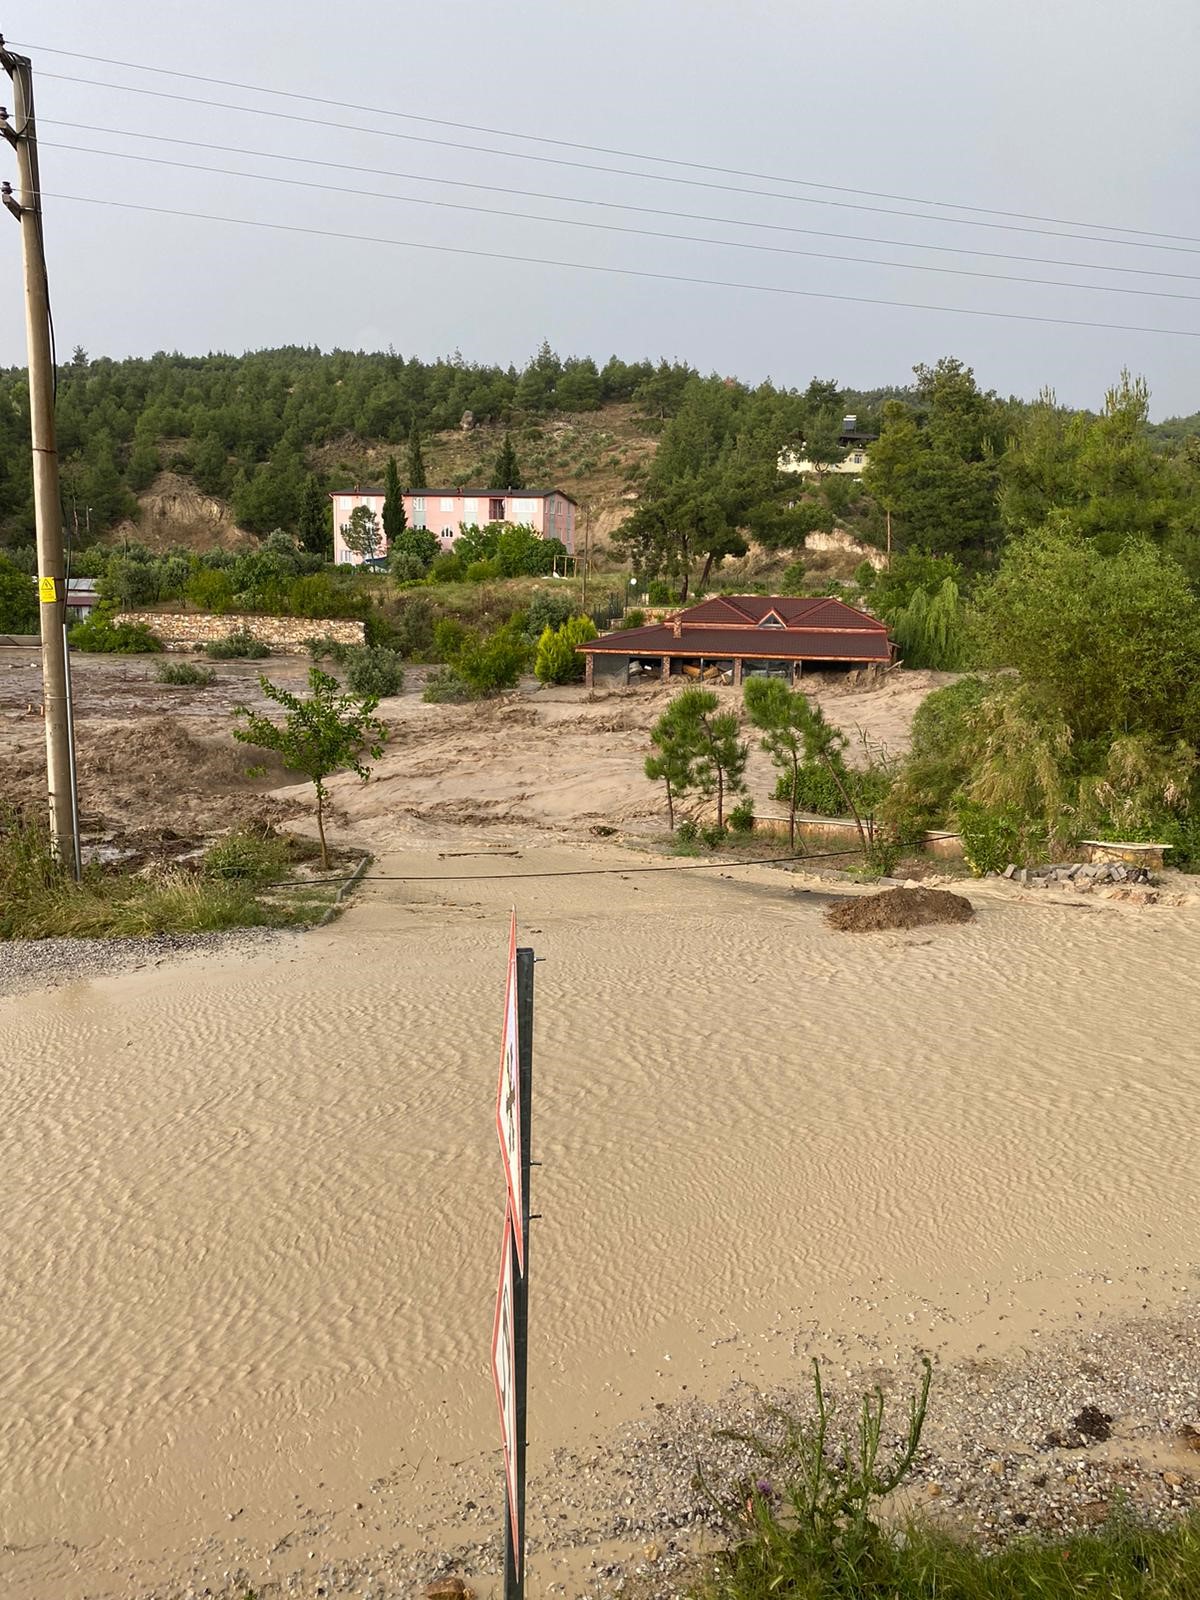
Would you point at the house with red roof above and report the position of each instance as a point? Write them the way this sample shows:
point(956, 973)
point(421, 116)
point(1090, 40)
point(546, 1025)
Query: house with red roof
point(729, 637)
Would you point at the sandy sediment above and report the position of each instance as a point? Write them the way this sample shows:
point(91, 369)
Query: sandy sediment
point(252, 1205)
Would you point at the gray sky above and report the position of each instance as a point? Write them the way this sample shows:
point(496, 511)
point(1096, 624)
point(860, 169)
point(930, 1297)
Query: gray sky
point(1077, 109)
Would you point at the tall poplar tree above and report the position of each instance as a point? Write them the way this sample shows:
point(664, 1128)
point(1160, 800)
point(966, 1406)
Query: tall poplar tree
point(394, 520)
point(506, 474)
point(415, 470)
point(314, 522)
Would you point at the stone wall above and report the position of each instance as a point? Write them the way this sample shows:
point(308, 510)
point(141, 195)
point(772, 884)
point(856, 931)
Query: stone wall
point(285, 636)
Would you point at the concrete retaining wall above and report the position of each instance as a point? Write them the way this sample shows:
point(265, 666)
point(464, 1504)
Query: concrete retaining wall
point(286, 636)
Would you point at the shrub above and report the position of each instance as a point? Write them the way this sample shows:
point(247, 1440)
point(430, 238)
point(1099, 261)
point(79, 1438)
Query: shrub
point(324, 647)
point(210, 589)
point(659, 592)
point(447, 568)
point(18, 600)
point(414, 549)
point(493, 665)
point(818, 793)
point(184, 674)
point(558, 660)
point(741, 818)
point(793, 579)
point(320, 595)
point(445, 685)
point(412, 627)
point(549, 608)
point(687, 832)
point(634, 619)
point(449, 636)
point(991, 839)
point(485, 571)
point(374, 672)
point(714, 837)
point(241, 645)
point(100, 635)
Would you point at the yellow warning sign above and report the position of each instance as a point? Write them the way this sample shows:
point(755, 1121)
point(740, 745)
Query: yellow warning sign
point(47, 593)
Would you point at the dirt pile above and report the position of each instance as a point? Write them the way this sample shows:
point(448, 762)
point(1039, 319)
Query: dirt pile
point(155, 771)
point(899, 908)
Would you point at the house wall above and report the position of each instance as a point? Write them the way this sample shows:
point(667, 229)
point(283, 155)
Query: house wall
point(851, 467)
point(344, 502)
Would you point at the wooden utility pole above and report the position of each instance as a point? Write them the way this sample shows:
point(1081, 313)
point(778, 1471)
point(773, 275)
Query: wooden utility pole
point(26, 206)
point(587, 551)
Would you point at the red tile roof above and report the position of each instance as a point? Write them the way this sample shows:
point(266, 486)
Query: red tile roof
point(815, 628)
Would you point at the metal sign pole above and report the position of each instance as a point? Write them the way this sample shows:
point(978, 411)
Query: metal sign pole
point(514, 1554)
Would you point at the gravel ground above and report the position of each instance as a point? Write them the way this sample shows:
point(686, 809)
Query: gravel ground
point(29, 964)
point(1002, 1457)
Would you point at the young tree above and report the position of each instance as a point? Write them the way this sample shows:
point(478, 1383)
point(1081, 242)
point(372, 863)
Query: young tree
point(506, 474)
point(394, 520)
point(771, 707)
point(414, 471)
point(716, 755)
point(675, 743)
point(361, 533)
point(415, 549)
point(326, 733)
point(312, 525)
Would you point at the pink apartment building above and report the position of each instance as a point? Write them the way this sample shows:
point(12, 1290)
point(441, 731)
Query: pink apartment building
point(447, 511)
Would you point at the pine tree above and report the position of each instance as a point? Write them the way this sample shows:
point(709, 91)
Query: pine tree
point(415, 471)
point(314, 519)
point(394, 520)
point(506, 474)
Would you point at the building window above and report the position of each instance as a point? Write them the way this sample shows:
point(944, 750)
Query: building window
point(418, 511)
point(470, 510)
point(447, 502)
point(495, 510)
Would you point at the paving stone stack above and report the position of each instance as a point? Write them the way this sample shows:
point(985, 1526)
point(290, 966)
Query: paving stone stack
point(1078, 873)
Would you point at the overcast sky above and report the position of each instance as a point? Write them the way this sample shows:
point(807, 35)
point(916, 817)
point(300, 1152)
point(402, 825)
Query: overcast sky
point(1078, 109)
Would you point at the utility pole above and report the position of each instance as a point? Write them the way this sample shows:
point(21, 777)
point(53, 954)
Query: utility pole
point(52, 593)
point(587, 551)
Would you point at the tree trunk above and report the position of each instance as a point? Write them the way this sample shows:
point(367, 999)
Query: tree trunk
point(670, 807)
point(321, 828)
point(708, 561)
point(792, 806)
point(852, 808)
point(720, 796)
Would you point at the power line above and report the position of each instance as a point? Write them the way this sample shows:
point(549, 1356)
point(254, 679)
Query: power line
point(611, 227)
point(558, 872)
point(626, 172)
point(611, 205)
point(571, 144)
point(624, 272)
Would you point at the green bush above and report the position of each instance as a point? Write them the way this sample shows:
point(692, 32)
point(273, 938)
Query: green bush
point(412, 627)
point(485, 571)
point(490, 666)
point(241, 645)
point(449, 636)
point(687, 832)
point(184, 674)
point(210, 589)
point(741, 818)
point(816, 791)
point(445, 685)
point(713, 837)
point(634, 619)
point(18, 600)
point(101, 636)
point(659, 592)
point(447, 568)
point(558, 660)
point(373, 672)
point(324, 647)
point(793, 579)
point(322, 596)
point(549, 608)
point(991, 839)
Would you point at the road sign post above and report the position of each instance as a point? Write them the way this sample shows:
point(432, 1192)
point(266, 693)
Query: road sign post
point(510, 1331)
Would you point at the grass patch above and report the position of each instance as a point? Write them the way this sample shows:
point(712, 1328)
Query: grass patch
point(241, 645)
point(806, 1526)
point(235, 886)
